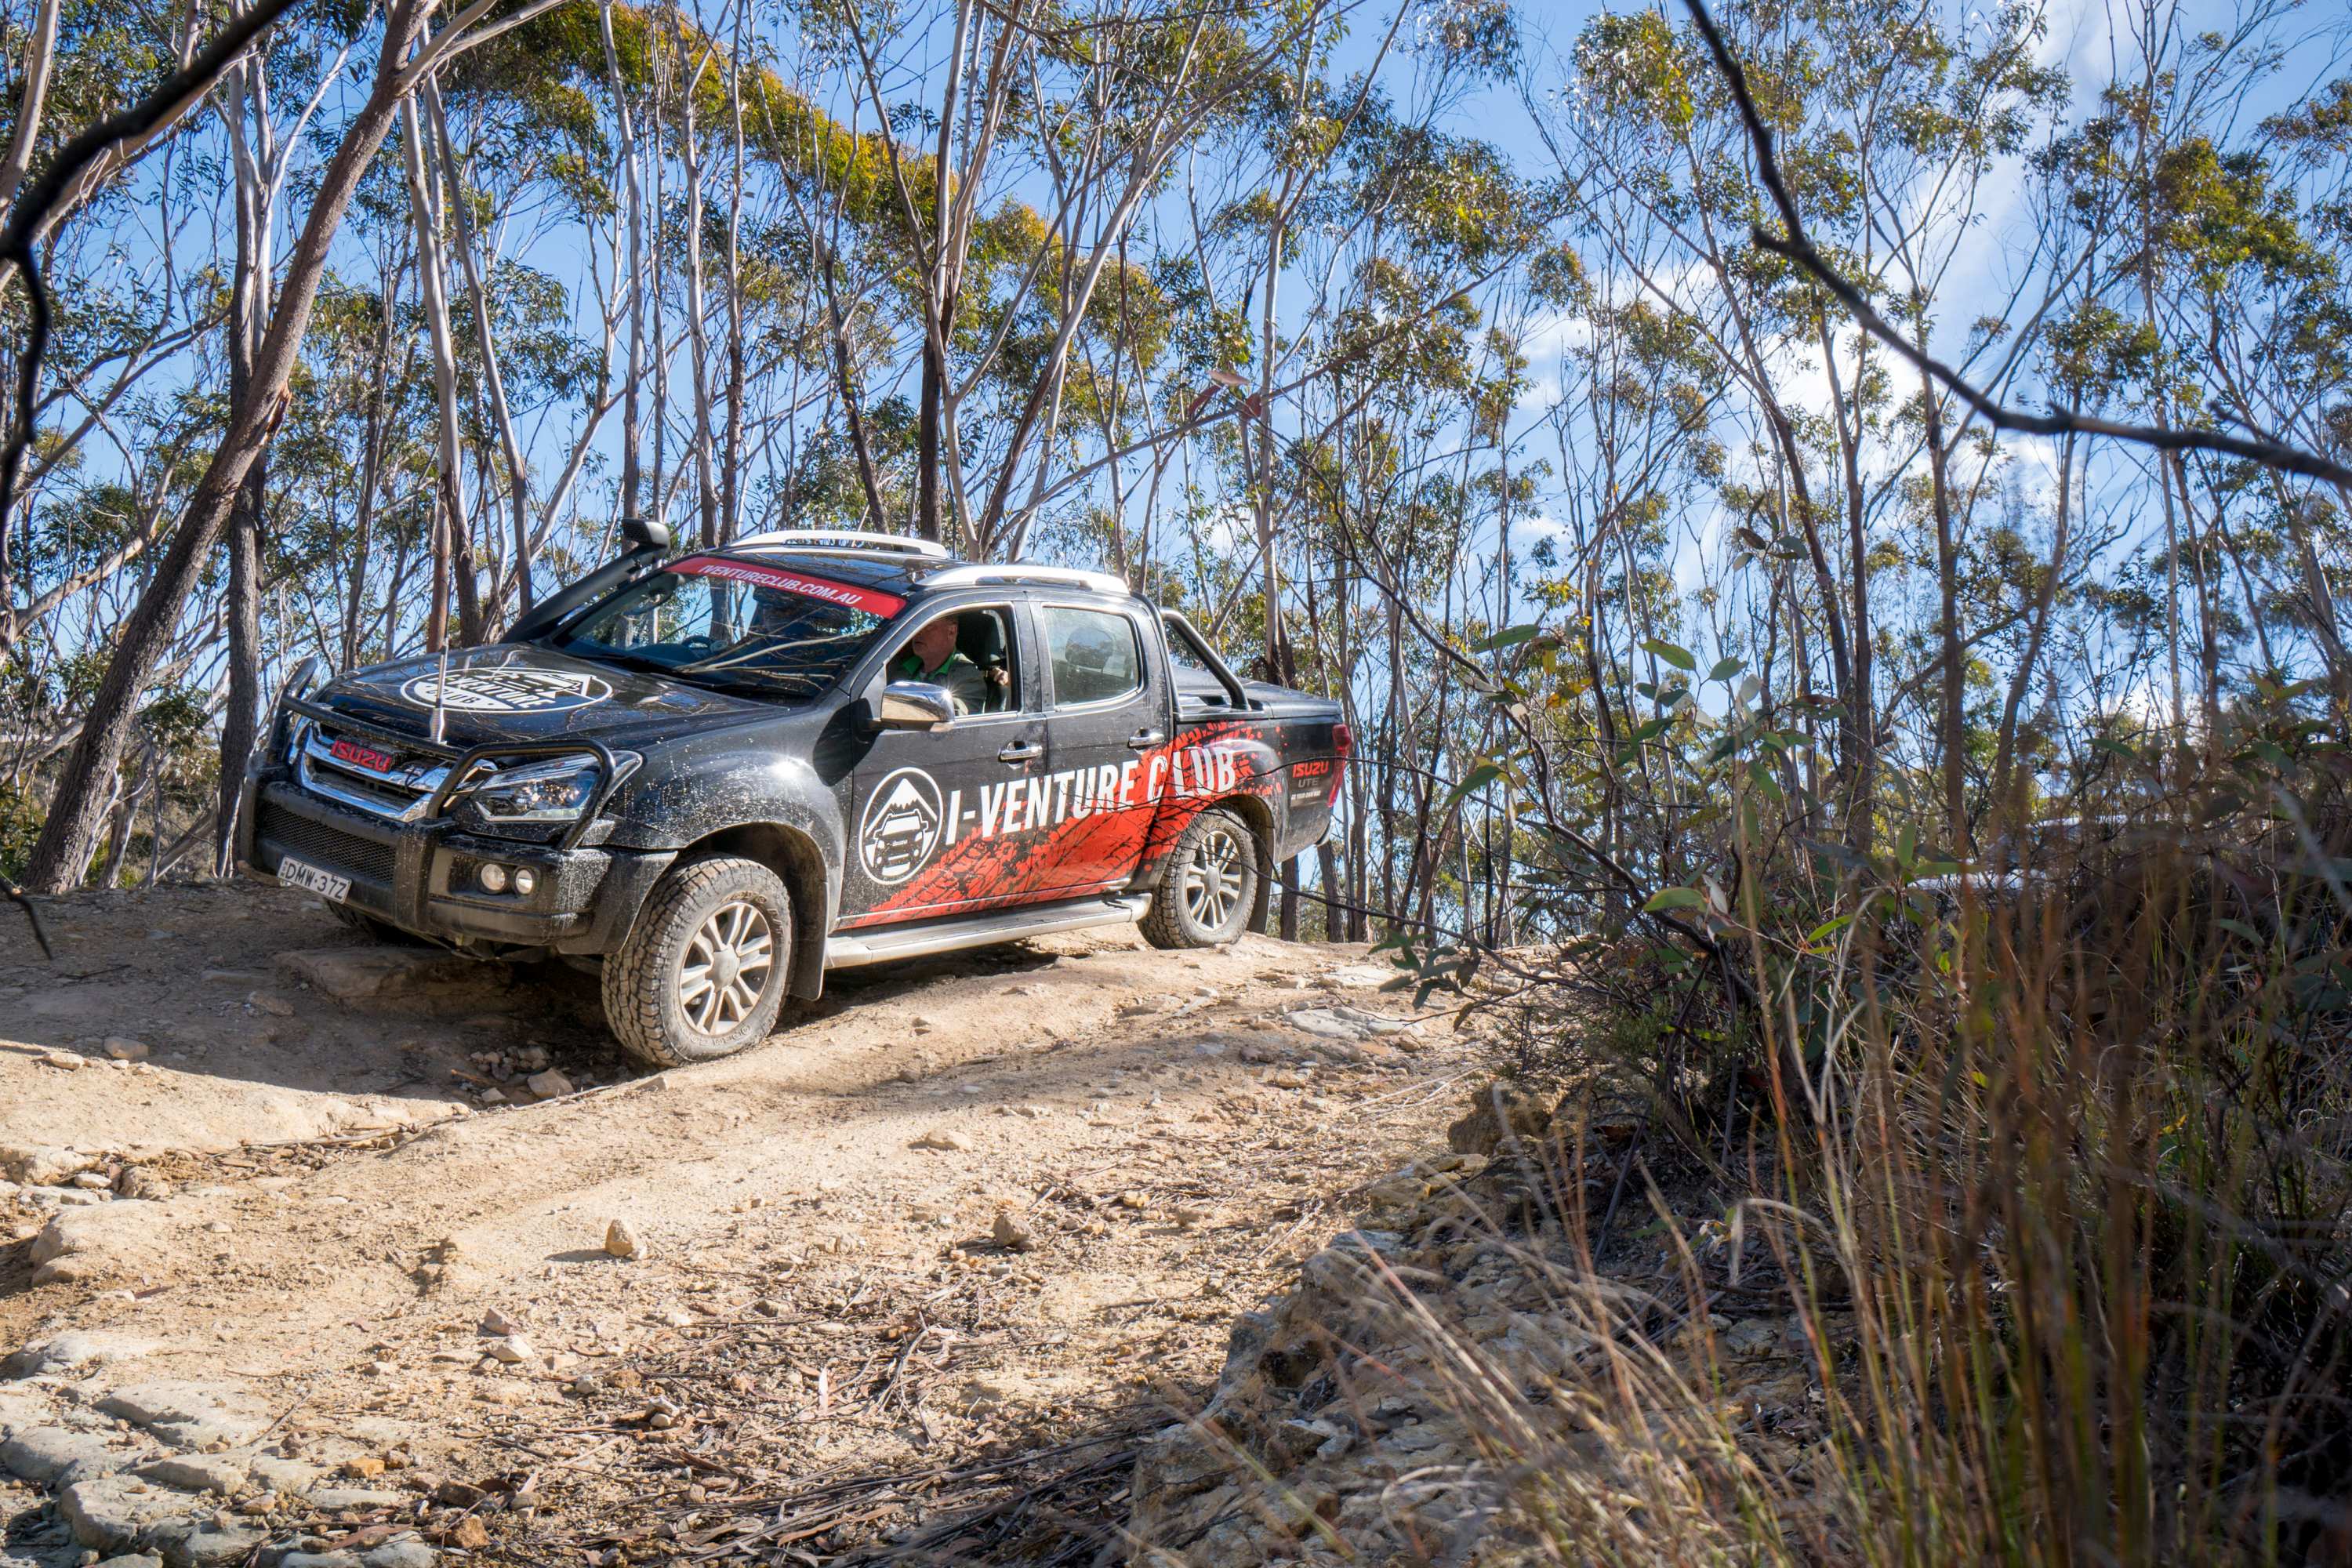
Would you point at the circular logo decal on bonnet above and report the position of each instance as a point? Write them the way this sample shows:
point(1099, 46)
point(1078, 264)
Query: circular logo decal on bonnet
point(485, 689)
point(901, 826)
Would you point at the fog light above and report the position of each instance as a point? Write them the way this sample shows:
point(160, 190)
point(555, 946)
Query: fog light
point(494, 879)
point(526, 881)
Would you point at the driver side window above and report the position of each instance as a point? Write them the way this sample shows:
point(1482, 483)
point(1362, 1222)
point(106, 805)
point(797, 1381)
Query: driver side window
point(970, 653)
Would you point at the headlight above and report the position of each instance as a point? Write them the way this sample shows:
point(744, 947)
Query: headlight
point(554, 791)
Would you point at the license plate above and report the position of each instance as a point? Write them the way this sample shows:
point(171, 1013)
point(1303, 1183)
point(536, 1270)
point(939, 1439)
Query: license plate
point(326, 884)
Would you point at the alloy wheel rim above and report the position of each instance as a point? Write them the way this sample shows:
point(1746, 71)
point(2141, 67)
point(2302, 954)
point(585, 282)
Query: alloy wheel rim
point(724, 970)
point(1212, 879)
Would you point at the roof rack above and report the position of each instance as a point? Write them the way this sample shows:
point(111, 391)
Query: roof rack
point(843, 539)
point(1016, 572)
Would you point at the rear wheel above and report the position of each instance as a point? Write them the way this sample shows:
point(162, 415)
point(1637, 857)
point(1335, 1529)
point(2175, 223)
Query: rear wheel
point(1210, 887)
point(701, 973)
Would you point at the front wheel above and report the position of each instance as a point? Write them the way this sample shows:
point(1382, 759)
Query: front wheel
point(1210, 886)
point(701, 973)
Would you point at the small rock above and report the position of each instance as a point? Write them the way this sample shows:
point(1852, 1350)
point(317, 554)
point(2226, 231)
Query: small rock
point(495, 1321)
point(1502, 1113)
point(264, 1002)
point(366, 1468)
point(52, 1453)
point(1135, 1199)
point(123, 1049)
point(218, 1473)
point(470, 1533)
point(319, 1560)
point(620, 1241)
point(140, 1182)
point(511, 1348)
point(77, 1348)
point(112, 1513)
point(288, 1477)
point(345, 1499)
point(1011, 1233)
point(43, 1164)
point(94, 1182)
point(202, 1542)
point(188, 1415)
point(66, 1060)
point(548, 1085)
point(942, 1139)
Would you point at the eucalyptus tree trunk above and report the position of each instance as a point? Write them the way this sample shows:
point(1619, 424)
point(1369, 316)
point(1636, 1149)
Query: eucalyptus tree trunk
point(1948, 600)
point(706, 489)
point(731, 476)
point(453, 563)
point(633, 199)
point(86, 780)
point(494, 382)
point(252, 154)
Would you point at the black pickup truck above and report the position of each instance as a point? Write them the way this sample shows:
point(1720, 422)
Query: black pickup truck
point(713, 776)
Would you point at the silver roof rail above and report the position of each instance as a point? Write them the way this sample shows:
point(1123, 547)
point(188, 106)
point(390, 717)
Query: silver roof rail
point(843, 539)
point(1016, 572)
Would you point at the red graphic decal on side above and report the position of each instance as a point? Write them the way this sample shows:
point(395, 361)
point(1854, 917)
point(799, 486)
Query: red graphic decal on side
point(1051, 834)
point(873, 601)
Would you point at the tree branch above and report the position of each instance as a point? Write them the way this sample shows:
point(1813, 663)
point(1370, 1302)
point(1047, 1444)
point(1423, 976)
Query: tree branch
point(171, 97)
point(1798, 247)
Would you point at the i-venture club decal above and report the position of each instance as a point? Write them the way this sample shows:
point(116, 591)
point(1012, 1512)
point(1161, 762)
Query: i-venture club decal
point(1023, 805)
point(906, 820)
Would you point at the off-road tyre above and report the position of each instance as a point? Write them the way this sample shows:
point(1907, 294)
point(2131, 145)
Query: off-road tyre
point(651, 1013)
point(1210, 886)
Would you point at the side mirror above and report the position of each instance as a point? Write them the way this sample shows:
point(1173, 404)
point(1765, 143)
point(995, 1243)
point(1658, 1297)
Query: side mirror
point(645, 533)
point(914, 705)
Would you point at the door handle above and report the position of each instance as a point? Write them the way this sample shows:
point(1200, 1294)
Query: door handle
point(1144, 740)
point(1021, 751)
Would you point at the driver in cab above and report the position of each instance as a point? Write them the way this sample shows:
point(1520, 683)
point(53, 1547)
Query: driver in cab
point(931, 655)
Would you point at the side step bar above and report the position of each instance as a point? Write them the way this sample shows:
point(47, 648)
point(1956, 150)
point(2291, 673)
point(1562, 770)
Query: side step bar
point(847, 950)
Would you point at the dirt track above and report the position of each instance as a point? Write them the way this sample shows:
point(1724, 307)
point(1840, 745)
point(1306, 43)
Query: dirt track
point(341, 1211)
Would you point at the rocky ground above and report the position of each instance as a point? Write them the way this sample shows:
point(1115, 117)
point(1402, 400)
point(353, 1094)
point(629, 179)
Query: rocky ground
point(329, 1257)
point(1542, 1345)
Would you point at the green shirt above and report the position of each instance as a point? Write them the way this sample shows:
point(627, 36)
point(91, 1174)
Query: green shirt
point(961, 678)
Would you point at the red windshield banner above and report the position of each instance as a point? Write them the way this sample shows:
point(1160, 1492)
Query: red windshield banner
point(873, 601)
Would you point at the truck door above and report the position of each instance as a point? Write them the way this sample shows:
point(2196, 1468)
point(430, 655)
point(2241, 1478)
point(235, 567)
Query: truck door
point(926, 811)
point(1107, 727)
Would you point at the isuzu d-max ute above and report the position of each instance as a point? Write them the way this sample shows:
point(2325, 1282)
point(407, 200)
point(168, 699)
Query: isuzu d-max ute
point(714, 774)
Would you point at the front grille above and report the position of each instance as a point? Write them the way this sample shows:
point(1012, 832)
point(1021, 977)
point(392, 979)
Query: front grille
point(323, 846)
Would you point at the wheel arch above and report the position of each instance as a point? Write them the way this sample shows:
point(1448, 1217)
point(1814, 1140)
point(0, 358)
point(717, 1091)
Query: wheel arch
point(797, 861)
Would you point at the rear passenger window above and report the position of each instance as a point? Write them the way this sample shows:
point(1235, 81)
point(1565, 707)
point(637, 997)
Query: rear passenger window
point(1095, 655)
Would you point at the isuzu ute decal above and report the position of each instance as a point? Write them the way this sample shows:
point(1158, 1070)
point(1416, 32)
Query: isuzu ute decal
point(1127, 814)
point(513, 689)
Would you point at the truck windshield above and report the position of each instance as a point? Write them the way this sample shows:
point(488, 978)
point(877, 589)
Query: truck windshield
point(719, 622)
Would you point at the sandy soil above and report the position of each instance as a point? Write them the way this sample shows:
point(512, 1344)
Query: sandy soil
point(823, 1290)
